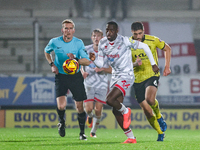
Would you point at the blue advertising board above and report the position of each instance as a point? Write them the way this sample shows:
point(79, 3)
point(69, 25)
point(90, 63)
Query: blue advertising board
point(40, 91)
point(27, 91)
point(32, 91)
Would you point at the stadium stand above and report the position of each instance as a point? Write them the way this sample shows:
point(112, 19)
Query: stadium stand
point(17, 30)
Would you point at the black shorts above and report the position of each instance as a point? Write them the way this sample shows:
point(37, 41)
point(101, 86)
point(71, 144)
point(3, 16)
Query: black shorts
point(72, 82)
point(140, 88)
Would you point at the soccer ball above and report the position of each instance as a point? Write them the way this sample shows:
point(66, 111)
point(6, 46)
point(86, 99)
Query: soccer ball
point(70, 66)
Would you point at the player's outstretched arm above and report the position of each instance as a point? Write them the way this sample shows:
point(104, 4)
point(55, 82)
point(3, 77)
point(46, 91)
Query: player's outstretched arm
point(106, 70)
point(92, 56)
point(82, 61)
point(155, 68)
point(167, 53)
point(84, 73)
point(147, 50)
point(99, 61)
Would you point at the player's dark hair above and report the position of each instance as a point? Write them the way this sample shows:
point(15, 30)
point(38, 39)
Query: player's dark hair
point(113, 23)
point(137, 26)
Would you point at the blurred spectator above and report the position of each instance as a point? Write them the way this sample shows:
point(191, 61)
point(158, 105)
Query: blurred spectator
point(114, 6)
point(87, 7)
point(70, 8)
point(78, 7)
point(193, 4)
point(103, 4)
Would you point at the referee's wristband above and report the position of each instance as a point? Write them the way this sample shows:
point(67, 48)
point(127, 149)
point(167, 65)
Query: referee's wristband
point(76, 58)
point(51, 64)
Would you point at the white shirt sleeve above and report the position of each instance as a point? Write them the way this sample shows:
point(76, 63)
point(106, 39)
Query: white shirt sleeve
point(139, 45)
point(147, 50)
point(106, 65)
point(99, 61)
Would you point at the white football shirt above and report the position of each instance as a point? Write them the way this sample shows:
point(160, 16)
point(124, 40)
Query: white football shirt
point(118, 54)
point(94, 79)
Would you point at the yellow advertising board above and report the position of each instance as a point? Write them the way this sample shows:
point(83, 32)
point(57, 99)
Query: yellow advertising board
point(175, 118)
point(2, 118)
point(49, 119)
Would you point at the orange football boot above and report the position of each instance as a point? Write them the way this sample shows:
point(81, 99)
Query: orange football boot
point(127, 119)
point(129, 140)
point(89, 122)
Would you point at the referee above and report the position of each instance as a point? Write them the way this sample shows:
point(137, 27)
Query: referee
point(65, 47)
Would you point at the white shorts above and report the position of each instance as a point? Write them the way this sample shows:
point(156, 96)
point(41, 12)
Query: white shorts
point(95, 94)
point(123, 83)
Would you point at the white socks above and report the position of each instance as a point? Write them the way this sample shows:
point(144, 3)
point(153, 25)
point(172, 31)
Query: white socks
point(90, 114)
point(96, 122)
point(123, 109)
point(129, 134)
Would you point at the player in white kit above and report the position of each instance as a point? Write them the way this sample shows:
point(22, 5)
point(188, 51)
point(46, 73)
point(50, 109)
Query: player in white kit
point(116, 49)
point(96, 85)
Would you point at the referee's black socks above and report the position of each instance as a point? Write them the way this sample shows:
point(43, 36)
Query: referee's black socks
point(81, 121)
point(61, 114)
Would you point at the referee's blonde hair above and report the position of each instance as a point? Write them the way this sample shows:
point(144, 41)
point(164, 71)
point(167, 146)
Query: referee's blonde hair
point(68, 21)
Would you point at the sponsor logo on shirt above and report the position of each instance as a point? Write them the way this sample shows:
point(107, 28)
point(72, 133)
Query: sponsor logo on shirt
point(113, 56)
point(141, 55)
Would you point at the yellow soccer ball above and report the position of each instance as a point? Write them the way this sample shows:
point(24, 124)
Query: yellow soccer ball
point(70, 66)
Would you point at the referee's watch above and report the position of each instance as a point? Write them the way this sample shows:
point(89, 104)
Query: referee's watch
point(51, 64)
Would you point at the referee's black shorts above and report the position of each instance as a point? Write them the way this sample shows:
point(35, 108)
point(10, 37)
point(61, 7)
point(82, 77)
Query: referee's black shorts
point(72, 82)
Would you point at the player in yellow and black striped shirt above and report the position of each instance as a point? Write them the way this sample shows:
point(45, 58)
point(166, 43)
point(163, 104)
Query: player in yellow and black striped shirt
point(146, 81)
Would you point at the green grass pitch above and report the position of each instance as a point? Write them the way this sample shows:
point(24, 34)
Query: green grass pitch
point(48, 139)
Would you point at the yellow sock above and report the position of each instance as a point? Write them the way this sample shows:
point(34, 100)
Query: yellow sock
point(154, 123)
point(156, 109)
